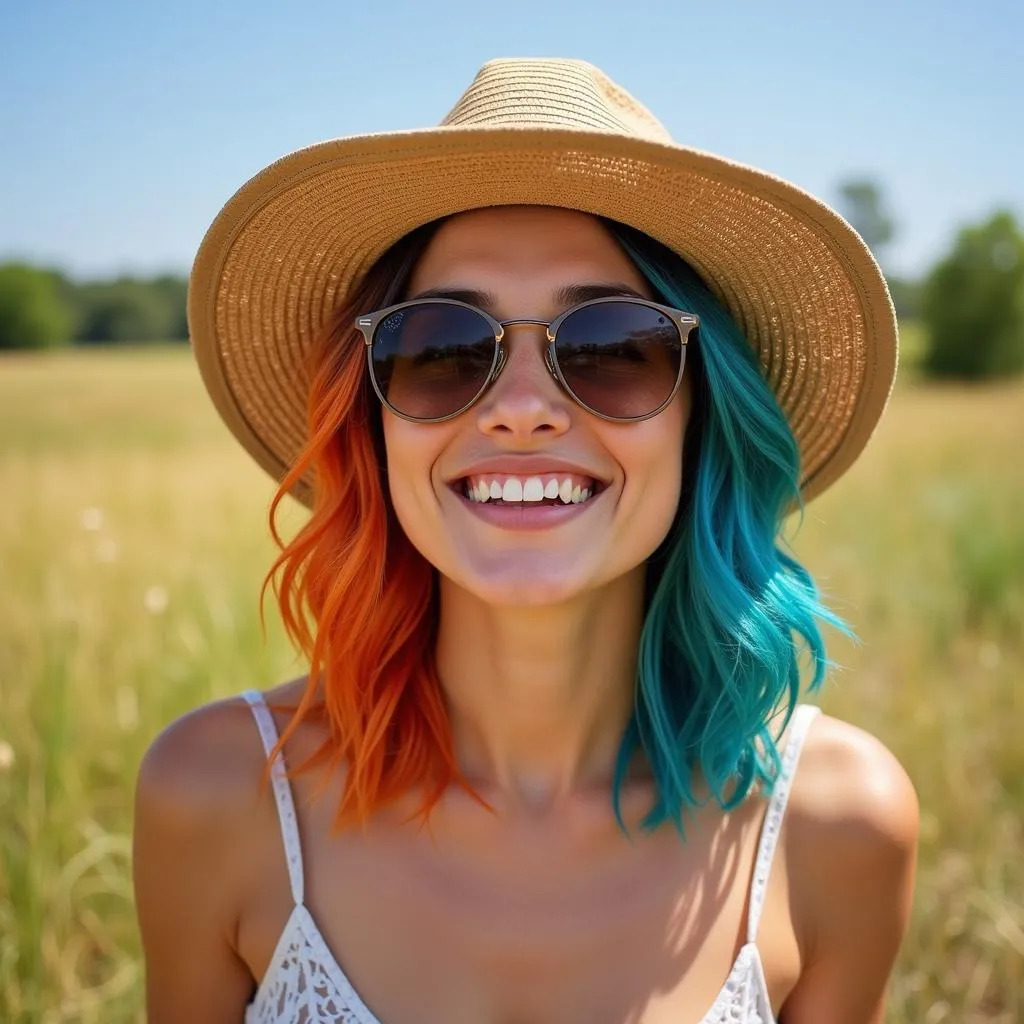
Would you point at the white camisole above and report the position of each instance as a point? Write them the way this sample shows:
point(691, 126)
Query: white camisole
point(304, 983)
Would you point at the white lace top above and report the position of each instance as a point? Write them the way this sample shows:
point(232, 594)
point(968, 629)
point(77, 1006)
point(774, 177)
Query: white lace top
point(305, 984)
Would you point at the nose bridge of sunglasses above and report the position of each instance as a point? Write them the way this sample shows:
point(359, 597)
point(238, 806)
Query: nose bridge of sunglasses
point(529, 335)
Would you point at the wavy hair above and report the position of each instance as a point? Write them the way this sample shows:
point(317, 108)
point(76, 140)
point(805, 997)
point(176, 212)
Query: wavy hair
point(727, 610)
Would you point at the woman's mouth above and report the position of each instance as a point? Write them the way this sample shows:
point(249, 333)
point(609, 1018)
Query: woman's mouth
point(541, 489)
point(535, 501)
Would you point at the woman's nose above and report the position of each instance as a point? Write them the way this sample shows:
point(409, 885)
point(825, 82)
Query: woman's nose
point(526, 398)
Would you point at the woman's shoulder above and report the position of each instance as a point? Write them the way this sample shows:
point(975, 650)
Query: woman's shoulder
point(851, 846)
point(850, 788)
point(203, 763)
point(204, 840)
point(206, 766)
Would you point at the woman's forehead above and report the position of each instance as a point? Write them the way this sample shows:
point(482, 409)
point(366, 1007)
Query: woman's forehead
point(529, 245)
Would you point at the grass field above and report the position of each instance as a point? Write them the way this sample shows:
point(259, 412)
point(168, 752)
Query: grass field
point(132, 543)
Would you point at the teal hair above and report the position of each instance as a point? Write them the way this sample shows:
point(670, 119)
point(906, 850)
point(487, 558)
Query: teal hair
point(729, 612)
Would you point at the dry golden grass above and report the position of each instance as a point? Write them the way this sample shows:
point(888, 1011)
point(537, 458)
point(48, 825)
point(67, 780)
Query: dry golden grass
point(132, 544)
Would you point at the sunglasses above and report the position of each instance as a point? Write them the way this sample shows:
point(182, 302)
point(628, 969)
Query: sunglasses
point(620, 358)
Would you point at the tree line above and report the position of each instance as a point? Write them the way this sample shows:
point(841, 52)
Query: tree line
point(970, 303)
point(42, 308)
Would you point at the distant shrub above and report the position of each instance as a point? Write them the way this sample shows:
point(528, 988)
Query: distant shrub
point(33, 314)
point(906, 296)
point(132, 310)
point(973, 304)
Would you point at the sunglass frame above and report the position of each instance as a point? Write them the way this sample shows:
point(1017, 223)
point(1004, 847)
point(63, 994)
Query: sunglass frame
point(684, 322)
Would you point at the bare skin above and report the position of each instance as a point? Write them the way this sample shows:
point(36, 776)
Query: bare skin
point(541, 911)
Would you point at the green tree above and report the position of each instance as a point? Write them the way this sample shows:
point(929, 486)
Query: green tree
point(33, 314)
point(863, 205)
point(173, 292)
point(973, 304)
point(906, 296)
point(132, 310)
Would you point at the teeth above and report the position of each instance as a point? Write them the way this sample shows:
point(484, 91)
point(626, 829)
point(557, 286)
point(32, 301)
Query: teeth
point(533, 489)
point(512, 491)
point(530, 489)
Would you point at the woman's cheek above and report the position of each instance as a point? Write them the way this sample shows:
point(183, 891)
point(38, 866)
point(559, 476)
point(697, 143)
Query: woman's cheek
point(412, 452)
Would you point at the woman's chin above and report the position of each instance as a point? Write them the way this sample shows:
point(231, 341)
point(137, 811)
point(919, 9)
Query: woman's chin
point(524, 583)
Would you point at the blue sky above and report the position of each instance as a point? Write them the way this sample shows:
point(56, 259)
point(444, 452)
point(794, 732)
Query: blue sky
point(124, 126)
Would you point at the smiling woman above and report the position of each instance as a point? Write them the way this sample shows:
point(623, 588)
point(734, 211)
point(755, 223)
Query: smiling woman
point(540, 589)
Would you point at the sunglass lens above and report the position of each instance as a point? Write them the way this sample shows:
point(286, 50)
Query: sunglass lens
point(431, 360)
point(621, 359)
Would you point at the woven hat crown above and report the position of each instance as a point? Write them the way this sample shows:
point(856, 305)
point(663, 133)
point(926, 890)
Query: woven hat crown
point(509, 93)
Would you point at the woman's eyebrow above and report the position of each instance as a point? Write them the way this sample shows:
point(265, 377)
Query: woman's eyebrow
point(574, 294)
point(483, 300)
point(570, 295)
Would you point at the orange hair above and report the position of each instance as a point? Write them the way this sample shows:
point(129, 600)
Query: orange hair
point(355, 596)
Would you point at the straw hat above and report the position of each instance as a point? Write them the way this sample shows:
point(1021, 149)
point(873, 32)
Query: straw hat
point(291, 242)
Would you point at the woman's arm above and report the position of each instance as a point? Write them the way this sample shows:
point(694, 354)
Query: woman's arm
point(187, 815)
point(851, 855)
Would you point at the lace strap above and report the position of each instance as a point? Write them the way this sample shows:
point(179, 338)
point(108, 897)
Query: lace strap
point(770, 828)
point(282, 793)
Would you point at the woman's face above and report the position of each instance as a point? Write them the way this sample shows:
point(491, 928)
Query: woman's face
point(526, 426)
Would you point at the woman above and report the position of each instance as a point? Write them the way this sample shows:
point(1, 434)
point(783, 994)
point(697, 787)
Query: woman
point(544, 766)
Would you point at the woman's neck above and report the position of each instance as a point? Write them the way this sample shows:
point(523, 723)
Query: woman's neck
point(539, 697)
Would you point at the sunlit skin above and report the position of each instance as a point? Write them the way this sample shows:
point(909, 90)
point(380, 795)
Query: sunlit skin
point(541, 692)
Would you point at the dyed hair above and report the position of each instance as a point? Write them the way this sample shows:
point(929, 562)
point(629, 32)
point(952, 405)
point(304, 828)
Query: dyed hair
point(727, 610)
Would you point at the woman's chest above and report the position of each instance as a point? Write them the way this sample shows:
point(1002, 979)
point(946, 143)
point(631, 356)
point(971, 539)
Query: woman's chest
point(533, 930)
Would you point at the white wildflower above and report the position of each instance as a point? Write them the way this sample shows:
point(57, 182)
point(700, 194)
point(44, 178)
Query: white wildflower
point(155, 599)
point(6, 756)
point(92, 519)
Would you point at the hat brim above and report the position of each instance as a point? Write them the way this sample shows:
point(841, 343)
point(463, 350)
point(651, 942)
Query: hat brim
point(291, 242)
